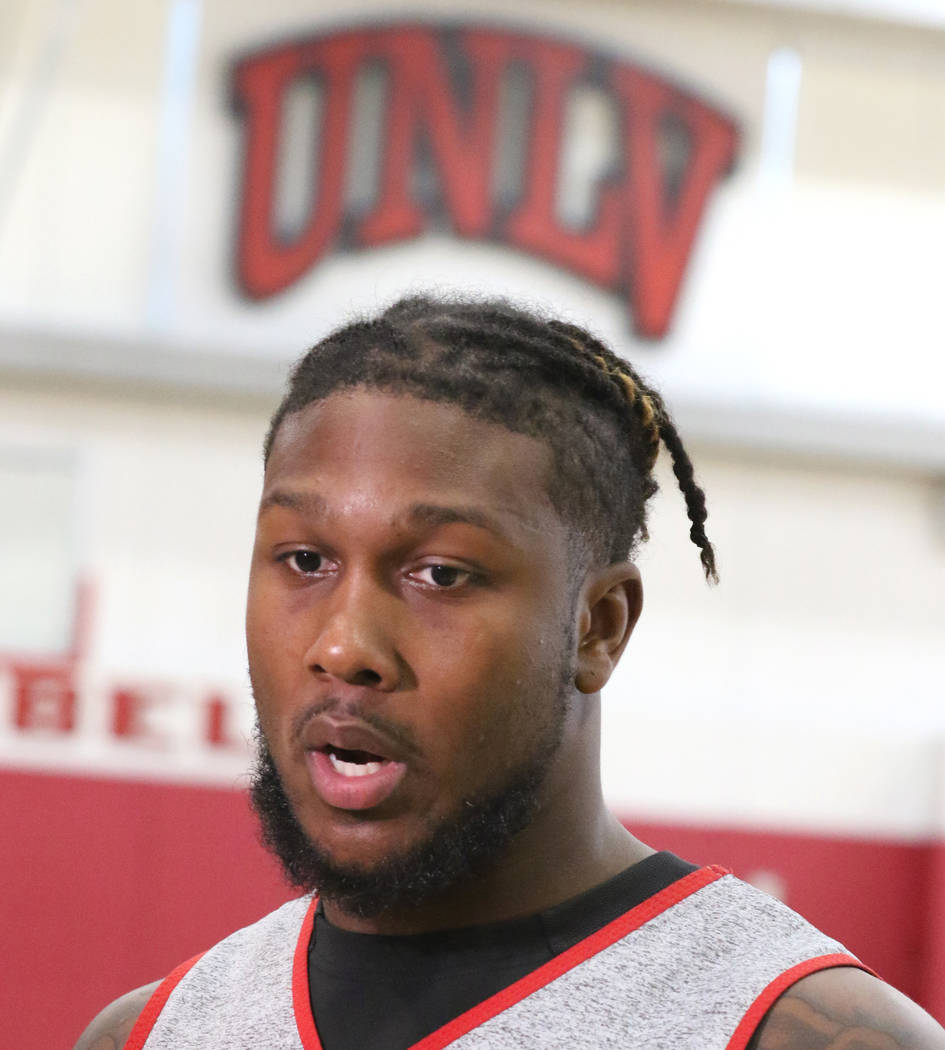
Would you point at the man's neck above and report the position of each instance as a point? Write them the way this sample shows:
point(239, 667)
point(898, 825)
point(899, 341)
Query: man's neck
point(527, 880)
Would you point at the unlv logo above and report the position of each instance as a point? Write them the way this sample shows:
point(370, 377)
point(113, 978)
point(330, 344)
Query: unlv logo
point(479, 131)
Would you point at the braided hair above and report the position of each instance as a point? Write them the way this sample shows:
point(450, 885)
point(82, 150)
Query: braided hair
point(545, 378)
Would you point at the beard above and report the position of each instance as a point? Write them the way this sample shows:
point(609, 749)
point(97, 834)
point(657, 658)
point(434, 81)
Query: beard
point(463, 845)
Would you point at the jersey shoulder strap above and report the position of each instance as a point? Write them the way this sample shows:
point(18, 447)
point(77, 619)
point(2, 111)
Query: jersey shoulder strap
point(240, 995)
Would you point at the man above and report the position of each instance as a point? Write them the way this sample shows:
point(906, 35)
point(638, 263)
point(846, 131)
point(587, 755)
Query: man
point(440, 588)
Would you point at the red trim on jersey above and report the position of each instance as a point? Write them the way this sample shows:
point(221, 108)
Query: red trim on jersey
point(567, 960)
point(764, 1002)
point(154, 1006)
point(301, 1002)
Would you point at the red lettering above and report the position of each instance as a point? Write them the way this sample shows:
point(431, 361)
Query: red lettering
point(129, 716)
point(265, 264)
point(217, 729)
point(640, 236)
point(463, 144)
point(44, 698)
point(595, 253)
point(661, 242)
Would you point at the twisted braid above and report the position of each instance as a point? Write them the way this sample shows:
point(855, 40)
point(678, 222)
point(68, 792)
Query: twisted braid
point(695, 497)
point(645, 403)
point(545, 378)
point(657, 426)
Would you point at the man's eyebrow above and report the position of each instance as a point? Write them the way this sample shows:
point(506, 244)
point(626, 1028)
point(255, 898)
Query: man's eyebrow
point(304, 502)
point(433, 514)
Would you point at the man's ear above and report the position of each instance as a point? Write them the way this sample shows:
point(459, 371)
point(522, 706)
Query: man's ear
point(608, 609)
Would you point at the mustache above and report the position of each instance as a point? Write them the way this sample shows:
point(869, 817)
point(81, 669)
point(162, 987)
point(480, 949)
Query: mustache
point(349, 709)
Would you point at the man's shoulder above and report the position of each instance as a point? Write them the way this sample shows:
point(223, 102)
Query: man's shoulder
point(111, 1028)
point(846, 1007)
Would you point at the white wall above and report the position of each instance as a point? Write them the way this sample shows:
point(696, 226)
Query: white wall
point(809, 687)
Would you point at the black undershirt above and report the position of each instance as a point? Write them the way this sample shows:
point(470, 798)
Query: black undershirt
point(372, 992)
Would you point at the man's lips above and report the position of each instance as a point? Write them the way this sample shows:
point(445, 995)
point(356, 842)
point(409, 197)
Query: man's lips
point(352, 766)
point(343, 787)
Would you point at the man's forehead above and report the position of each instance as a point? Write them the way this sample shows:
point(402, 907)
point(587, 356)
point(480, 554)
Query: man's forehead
point(427, 461)
point(422, 432)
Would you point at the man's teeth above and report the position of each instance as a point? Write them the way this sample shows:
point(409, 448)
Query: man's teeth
point(353, 769)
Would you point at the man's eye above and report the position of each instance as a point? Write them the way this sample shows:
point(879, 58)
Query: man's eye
point(303, 562)
point(444, 576)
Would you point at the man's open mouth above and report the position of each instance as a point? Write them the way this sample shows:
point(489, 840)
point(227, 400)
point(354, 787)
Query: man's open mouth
point(354, 763)
point(352, 778)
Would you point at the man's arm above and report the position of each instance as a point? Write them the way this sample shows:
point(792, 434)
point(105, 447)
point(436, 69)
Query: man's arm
point(113, 1025)
point(846, 1009)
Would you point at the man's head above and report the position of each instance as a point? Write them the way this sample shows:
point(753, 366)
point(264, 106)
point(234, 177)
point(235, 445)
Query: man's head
point(551, 380)
point(439, 591)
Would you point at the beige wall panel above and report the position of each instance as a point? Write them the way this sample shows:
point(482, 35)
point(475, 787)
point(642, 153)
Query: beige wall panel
point(872, 106)
point(78, 227)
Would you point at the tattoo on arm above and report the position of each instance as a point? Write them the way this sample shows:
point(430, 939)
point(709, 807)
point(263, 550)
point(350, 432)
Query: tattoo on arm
point(796, 1024)
point(846, 1010)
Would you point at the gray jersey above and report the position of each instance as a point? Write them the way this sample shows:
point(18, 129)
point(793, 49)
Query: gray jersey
point(695, 967)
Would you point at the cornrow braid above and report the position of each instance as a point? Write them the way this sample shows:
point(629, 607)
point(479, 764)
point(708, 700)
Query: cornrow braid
point(657, 426)
point(545, 378)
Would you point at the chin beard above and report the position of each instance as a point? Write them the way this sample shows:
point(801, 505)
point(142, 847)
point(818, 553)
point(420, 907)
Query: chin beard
point(461, 847)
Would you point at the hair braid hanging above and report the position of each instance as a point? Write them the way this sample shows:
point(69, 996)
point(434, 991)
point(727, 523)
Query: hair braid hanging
point(657, 426)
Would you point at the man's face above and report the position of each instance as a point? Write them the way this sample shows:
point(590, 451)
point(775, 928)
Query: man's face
point(409, 621)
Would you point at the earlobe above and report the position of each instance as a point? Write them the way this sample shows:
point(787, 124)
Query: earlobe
point(611, 602)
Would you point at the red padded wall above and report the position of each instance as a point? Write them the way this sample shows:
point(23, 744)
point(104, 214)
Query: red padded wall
point(107, 885)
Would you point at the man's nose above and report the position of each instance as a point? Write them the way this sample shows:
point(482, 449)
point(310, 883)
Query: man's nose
point(354, 638)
